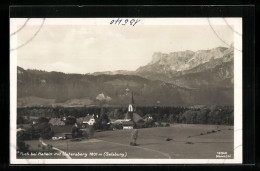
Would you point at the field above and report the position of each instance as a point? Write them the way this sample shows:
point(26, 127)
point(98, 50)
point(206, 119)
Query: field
point(179, 141)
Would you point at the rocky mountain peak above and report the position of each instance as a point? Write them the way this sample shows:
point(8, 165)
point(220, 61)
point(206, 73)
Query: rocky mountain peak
point(184, 60)
point(157, 57)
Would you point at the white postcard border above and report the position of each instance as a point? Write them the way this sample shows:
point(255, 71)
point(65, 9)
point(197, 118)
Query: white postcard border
point(237, 25)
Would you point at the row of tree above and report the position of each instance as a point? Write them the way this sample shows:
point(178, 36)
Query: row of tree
point(213, 115)
point(201, 115)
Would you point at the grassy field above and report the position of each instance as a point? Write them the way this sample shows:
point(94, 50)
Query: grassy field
point(185, 142)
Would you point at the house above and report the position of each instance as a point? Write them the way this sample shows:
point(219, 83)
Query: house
point(84, 122)
point(90, 120)
point(148, 118)
point(34, 121)
point(61, 132)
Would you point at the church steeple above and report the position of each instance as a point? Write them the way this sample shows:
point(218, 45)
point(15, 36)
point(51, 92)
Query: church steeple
point(130, 108)
point(131, 105)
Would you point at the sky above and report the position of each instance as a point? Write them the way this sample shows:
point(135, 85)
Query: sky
point(92, 48)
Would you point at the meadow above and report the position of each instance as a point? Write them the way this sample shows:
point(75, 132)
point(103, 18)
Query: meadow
point(179, 141)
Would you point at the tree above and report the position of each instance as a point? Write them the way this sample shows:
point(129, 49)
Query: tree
point(103, 99)
point(42, 130)
point(21, 146)
point(165, 118)
point(104, 118)
point(101, 122)
point(20, 120)
point(75, 132)
point(43, 120)
point(70, 120)
point(171, 118)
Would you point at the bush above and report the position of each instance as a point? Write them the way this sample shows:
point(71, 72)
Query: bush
point(167, 125)
point(21, 120)
point(42, 130)
point(90, 132)
point(140, 125)
point(149, 124)
point(21, 146)
point(76, 132)
point(115, 126)
point(101, 123)
point(85, 133)
point(140, 121)
point(24, 135)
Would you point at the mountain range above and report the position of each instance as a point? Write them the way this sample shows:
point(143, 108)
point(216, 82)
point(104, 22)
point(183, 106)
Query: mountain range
point(177, 78)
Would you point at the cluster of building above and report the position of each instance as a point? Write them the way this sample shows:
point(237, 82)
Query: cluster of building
point(60, 127)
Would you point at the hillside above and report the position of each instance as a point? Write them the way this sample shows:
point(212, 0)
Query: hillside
point(36, 87)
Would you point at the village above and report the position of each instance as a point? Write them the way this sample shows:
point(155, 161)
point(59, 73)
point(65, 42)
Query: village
point(98, 133)
point(69, 127)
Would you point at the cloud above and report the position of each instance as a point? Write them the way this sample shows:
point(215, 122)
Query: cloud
point(86, 49)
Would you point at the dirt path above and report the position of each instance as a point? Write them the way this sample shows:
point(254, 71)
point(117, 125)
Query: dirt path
point(54, 148)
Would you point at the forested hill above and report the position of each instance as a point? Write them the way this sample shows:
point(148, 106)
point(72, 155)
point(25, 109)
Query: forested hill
point(36, 87)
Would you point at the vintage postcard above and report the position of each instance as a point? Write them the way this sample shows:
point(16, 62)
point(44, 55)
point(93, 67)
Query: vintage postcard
point(125, 90)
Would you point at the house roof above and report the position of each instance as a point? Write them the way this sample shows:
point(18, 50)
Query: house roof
point(19, 129)
point(136, 117)
point(112, 120)
point(87, 118)
point(61, 129)
point(128, 123)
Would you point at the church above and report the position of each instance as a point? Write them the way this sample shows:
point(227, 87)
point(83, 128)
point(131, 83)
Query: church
point(131, 115)
point(130, 111)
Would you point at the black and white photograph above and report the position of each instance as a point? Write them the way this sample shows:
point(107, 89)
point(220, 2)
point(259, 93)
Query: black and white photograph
point(125, 90)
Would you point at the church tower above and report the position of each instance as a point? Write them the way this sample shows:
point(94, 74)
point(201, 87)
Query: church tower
point(131, 109)
point(131, 105)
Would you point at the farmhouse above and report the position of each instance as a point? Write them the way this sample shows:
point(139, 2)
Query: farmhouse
point(148, 118)
point(61, 131)
point(90, 120)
